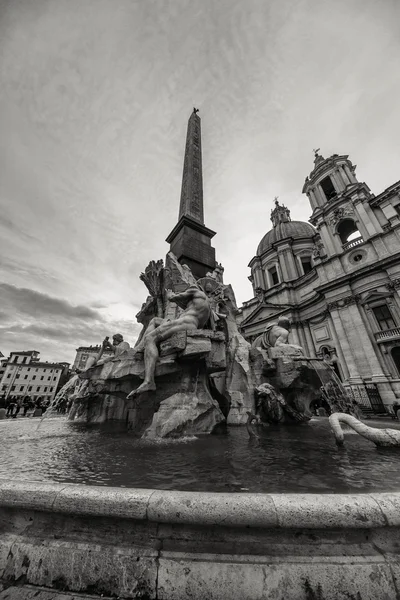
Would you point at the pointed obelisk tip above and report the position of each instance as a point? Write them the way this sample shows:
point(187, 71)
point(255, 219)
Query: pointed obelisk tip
point(195, 111)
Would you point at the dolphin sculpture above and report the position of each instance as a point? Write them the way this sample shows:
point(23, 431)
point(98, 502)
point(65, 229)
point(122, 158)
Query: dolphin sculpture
point(380, 437)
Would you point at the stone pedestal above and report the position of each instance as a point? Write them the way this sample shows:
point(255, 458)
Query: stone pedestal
point(181, 404)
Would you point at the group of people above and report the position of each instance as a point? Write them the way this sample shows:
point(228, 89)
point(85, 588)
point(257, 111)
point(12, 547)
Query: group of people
point(21, 405)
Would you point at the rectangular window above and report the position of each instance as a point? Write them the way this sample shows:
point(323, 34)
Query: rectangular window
point(42, 378)
point(306, 264)
point(38, 388)
point(9, 375)
point(273, 273)
point(328, 188)
point(24, 359)
point(13, 388)
point(26, 377)
point(384, 317)
point(29, 368)
point(15, 359)
point(30, 388)
point(54, 378)
point(4, 387)
point(45, 389)
point(34, 377)
point(17, 376)
point(22, 388)
point(48, 379)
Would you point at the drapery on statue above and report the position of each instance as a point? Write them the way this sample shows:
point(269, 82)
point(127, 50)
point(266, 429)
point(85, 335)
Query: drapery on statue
point(278, 334)
point(196, 313)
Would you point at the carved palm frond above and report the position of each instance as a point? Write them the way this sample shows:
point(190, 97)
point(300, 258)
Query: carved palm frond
point(153, 278)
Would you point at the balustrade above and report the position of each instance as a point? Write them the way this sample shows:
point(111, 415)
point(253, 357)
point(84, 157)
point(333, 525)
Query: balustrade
point(388, 334)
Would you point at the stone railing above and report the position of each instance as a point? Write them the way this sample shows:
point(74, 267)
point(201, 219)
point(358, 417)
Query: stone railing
point(353, 243)
point(389, 334)
point(143, 543)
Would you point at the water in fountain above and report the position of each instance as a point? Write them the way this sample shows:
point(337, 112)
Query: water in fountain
point(53, 408)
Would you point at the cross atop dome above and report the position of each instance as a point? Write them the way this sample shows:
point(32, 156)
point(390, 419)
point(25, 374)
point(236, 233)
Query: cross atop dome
point(280, 214)
point(318, 158)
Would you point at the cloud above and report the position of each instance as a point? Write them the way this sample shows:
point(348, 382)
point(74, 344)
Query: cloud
point(94, 101)
point(35, 304)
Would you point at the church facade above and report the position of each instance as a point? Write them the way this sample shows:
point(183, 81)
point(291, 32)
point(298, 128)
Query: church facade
point(337, 278)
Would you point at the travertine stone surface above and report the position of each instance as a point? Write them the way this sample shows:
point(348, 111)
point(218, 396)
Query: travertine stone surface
point(187, 545)
point(185, 414)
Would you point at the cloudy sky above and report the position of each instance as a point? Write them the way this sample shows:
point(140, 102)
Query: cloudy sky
point(94, 101)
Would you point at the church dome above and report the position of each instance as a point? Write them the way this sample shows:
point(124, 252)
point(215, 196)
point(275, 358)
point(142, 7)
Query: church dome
point(284, 228)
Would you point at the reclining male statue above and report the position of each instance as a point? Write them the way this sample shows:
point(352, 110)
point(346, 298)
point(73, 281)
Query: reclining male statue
point(196, 313)
point(278, 335)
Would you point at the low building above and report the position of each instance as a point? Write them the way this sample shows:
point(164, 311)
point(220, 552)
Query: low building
point(337, 278)
point(25, 375)
point(83, 353)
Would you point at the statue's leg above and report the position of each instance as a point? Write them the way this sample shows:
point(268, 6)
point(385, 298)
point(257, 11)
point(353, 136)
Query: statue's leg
point(154, 324)
point(151, 354)
point(161, 331)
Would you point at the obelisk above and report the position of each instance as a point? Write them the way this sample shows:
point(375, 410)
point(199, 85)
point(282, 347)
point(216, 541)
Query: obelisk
point(190, 239)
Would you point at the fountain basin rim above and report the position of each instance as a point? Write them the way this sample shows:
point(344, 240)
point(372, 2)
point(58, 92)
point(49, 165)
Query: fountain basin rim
point(280, 510)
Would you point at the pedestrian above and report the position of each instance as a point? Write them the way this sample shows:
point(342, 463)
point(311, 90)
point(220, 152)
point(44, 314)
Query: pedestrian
point(18, 404)
point(2, 406)
point(26, 404)
point(10, 406)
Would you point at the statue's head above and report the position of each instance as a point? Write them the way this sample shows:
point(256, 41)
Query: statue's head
point(208, 288)
point(284, 322)
point(117, 339)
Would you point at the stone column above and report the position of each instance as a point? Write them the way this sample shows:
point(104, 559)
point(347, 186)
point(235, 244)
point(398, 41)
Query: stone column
point(302, 338)
point(345, 176)
point(354, 375)
point(337, 181)
point(258, 278)
point(283, 267)
point(310, 343)
point(294, 336)
point(355, 342)
point(366, 344)
point(329, 240)
point(338, 348)
point(367, 324)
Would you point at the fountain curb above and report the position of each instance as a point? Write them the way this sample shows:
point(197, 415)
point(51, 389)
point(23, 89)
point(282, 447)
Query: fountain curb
point(359, 511)
point(136, 543)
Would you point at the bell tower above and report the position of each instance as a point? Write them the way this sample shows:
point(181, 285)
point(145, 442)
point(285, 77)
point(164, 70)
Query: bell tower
point(341, 212)
point(190, 239)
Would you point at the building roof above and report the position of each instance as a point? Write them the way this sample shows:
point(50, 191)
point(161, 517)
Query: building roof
point(289, 229)
point(35, 365)
point(25, 352)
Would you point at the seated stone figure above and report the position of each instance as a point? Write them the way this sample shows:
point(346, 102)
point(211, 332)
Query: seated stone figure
point(196, 313)
point(117, 347)
point(278, 335)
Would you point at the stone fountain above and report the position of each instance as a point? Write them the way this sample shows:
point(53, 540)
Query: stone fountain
point(201, 378)
point(191, 371)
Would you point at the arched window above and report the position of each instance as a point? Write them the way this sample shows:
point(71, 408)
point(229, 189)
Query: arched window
point(328, 188)
point(347, 230)
point(395, 352)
